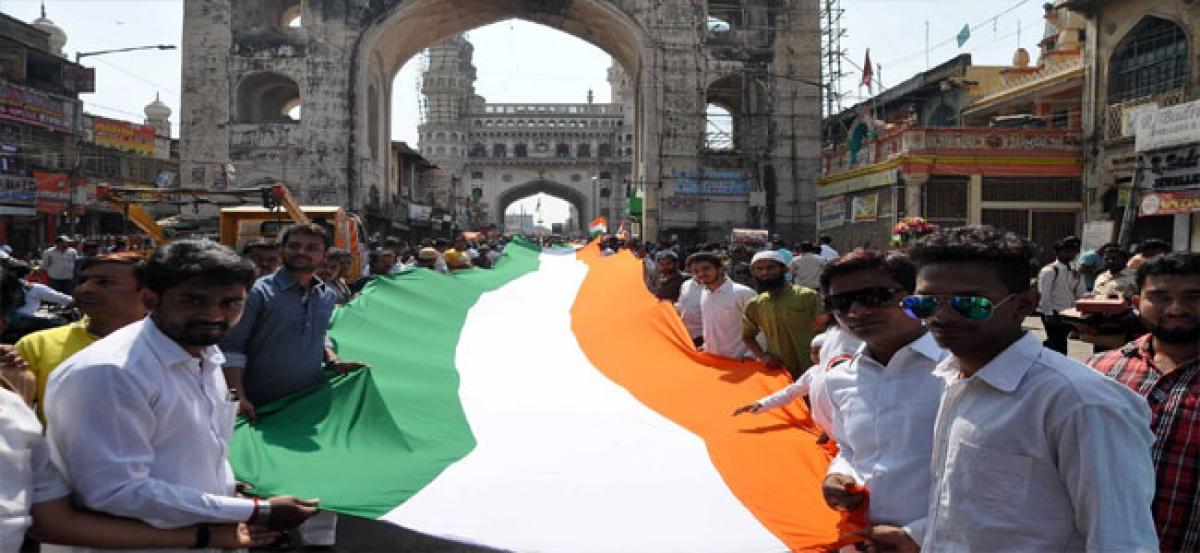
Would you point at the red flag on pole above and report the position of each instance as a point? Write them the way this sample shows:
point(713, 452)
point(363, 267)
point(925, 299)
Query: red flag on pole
point(868, 72)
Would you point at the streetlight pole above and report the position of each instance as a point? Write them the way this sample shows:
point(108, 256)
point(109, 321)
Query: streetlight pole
point(77, 166)
point(81, 55)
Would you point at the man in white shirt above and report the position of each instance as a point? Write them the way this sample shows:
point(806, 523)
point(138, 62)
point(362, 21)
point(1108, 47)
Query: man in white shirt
point(806, 267)
point(722, 302)
point(888, 385)
point(140, 421)
point(1032, 451)
point(59, 263)
point(1060, 285)
point(688, 308)
point(827, 251)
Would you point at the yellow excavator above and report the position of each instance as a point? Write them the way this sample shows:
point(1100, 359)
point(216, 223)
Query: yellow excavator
point(252, 213)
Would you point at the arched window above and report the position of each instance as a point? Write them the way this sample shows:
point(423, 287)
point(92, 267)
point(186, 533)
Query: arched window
point(606, 150)
point(521, 150)
point(584, 150)
point(441, 150)
point(562, 150)
point(291, 14)
point(499, 150)
point(268, 98)
point(1152, 58)
point(441, 136)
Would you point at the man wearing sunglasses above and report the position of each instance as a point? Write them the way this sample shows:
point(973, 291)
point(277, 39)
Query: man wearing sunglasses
point(888, 385)
point(1032, 451)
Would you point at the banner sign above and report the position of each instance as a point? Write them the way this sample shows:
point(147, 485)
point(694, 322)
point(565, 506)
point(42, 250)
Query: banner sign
point(865, 208)
point(749, 237)
point(17, 190)
point(78, 78)
point(418, 212)
point(53, 192)
point(27, 106)
point(831, 212)
point(712, 183)
point(1170, 203)
point(1169, 126)
point(1175, 169)
point(123, 135)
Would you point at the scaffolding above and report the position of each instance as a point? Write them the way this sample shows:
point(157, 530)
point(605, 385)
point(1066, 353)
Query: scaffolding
point(832, 33)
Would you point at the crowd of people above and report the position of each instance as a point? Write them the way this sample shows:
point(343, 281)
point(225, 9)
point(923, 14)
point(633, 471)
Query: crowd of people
point(964, 430)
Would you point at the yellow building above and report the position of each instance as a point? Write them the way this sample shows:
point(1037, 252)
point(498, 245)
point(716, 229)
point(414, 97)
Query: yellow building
point(964, 144)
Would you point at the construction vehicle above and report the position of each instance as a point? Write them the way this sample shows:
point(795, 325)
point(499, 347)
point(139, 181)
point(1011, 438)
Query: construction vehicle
point(251, 213)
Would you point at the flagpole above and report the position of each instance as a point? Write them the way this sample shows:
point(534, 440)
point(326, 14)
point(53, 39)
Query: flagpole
point(926, 44)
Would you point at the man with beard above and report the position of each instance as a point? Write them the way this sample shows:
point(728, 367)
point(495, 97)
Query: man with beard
point(669, 281)
point(263, 254)
point(109, 294)
point(722, 302)
point(1032, 450)
point(279, 347)
point(784, 313)
point(1164, 367)
point(139, 423)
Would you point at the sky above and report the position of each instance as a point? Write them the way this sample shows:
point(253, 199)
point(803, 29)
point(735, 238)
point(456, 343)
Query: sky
point(514, 61)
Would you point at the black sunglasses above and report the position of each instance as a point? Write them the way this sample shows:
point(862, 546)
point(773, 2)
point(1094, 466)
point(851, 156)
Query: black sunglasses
point(866, 297)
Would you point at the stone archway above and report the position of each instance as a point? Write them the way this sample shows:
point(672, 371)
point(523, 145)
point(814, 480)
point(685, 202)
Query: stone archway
point(406, 28)
point(571, 195)
point(343, 50)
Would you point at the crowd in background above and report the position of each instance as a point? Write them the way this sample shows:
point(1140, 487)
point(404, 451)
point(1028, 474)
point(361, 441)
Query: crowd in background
point(925, 340)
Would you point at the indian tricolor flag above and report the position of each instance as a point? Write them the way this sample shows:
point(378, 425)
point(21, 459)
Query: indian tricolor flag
point(549, 404)
point(599, 225)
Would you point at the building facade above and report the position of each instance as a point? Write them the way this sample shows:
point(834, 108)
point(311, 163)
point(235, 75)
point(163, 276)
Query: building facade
point(249, 64)
point(1140, 55)
point(962, 144)
point(500, 153)
point(53, 155)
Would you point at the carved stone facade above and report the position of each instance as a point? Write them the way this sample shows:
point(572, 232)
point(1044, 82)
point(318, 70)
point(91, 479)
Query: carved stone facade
point(297, 91)
point(500, 153)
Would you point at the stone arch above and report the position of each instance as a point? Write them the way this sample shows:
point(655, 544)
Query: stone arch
point(737, 100)
point(398, 31)
point(373, 121)
point(266, 97)
point(570, 194)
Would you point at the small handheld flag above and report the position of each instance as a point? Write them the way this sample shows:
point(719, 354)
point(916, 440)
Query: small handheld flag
point(598, 226)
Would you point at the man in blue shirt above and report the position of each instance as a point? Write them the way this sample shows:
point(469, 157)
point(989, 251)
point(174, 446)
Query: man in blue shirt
point(279, 347)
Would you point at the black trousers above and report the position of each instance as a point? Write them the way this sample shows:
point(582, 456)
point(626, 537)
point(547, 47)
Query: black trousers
point(1056, 333)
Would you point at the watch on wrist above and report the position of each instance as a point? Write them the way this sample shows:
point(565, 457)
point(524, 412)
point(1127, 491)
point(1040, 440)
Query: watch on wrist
point(264, 513)
point(203, 535)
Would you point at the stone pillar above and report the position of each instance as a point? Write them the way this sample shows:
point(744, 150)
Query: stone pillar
point(975, 200)
point(914, 185)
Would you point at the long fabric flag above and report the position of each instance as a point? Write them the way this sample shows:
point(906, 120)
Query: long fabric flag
point(549, 404)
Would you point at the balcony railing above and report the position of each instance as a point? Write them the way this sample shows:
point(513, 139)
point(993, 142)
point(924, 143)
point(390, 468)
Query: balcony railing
point(928, 140)
point(1117, 122)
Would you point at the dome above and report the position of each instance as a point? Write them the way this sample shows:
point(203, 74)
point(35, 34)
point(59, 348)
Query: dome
point(157, 110)
point(58, 37)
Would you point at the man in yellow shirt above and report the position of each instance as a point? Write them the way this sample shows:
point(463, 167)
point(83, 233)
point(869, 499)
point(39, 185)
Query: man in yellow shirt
point(109, 294)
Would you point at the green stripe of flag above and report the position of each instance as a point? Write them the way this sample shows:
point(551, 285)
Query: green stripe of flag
point(368, 441)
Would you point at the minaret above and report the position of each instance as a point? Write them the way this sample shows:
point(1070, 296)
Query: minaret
point(158, 115)
point(448, 85)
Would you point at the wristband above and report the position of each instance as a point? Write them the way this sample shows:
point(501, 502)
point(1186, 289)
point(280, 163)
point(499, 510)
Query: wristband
point(254, 514)
point(203, 535)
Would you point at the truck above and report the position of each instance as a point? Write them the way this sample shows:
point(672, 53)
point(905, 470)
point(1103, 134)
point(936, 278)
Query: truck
point(252, 213)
